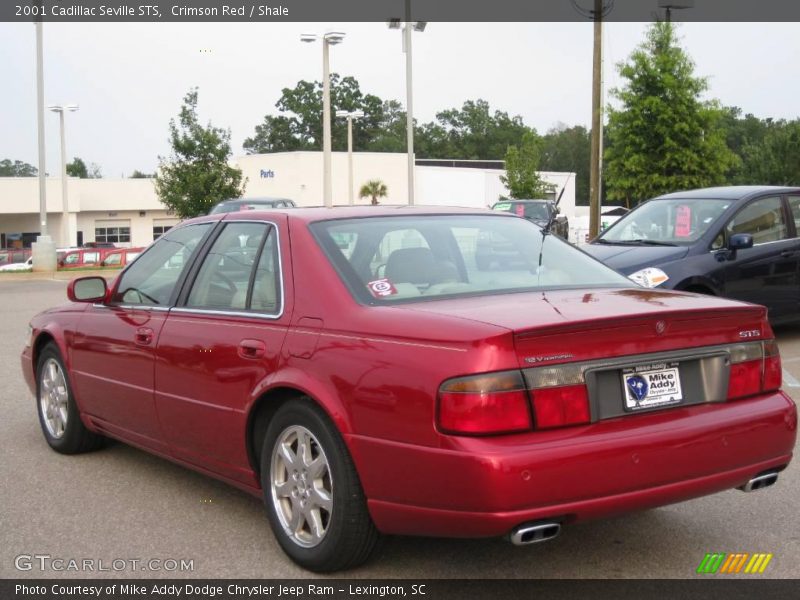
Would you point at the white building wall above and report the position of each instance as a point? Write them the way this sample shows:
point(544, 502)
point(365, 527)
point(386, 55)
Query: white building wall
point(298, 176)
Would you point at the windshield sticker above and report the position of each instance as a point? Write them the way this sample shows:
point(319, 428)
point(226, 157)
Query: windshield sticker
point(520, 210)
point(683, 221)
point(381, 287)
point(502, 206)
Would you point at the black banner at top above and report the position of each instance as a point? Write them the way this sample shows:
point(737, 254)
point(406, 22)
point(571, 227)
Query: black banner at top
point(259, 11)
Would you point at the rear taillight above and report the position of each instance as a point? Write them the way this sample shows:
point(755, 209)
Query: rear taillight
point(560, 397)
point(561, 406)
point(773, 373)
point(485, 404)
point(755, 368)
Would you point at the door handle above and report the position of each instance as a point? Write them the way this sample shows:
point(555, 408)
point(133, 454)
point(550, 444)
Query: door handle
point(788, 253)
point(252, 349)
point(144, 336)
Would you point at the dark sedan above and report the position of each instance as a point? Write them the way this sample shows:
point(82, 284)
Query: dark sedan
point(739, 241)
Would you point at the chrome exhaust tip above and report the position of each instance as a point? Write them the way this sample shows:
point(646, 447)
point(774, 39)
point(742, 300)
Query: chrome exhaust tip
point(760, 481)
point(533, 533)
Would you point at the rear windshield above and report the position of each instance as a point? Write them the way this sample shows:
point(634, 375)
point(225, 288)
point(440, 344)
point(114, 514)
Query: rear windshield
point(227, 207)
point(396, 259)
point(530, 210)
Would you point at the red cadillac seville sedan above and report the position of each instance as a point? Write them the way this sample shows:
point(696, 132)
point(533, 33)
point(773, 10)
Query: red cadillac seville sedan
point(357, 369)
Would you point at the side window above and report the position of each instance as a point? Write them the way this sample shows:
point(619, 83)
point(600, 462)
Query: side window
point(763, 219)
point(113, 259)
point(152, 278)
point(794, 205)
point(266, 294)
point(72, 259)
point(91, 258)
point(223, 281)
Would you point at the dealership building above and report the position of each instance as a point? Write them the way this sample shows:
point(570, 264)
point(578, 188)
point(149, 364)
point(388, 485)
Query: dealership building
point(128, 212)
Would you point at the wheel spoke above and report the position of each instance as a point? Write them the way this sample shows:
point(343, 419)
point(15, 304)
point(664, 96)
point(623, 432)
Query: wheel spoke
point(318, 467)
point(284, 489)
point(304, 448)
point(289, 458)
point(295, 522)
point(322, 499)
point(314, 520)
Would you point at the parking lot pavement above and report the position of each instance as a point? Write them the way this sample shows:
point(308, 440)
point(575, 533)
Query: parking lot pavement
point(121, 503)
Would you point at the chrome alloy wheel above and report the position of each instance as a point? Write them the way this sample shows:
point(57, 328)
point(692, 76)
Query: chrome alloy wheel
point(53, 398)
point(302, 487)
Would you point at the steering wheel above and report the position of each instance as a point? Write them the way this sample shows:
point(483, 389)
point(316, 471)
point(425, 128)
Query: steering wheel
point(224, 278)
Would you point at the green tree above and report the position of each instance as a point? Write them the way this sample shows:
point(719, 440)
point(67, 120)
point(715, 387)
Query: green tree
point(663, 137)
point(137, 174)
point(775, 158)
point(374, 188)
point(567, 149)
point(78, 168)
point(474, 132)
point(522, 164)
point(197, 175)
point(17, 168)
point(298, 126)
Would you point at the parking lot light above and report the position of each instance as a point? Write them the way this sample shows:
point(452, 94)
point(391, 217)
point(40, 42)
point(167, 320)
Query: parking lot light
point(350, 115)
point(61, 109)
point(331, 38)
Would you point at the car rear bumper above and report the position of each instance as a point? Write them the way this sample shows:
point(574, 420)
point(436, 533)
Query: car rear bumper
point(487, 486)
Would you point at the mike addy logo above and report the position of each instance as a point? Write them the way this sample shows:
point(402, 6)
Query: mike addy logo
point(730, 564)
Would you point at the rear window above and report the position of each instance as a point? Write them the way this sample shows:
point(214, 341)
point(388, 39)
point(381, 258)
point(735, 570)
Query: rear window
point(397, 259)
point(530, 210)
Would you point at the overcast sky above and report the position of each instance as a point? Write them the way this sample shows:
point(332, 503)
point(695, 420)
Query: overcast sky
point(129, 79)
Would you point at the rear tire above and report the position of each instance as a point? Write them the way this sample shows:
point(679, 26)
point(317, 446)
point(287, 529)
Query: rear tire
point(315, 504)
point(58, 413)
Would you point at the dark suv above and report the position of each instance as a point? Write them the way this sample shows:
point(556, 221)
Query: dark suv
point(237, 204)
point(539, 211)
point(740, 242)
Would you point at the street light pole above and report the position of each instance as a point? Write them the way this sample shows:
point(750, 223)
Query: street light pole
point(355, 114)
point(408, 26)
point(327, 185)
point(61, 109)
point(409, 106)
point(329, 39)
point(43, 249)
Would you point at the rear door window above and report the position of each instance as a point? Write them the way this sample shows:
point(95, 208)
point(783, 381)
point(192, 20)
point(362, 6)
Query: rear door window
point(763, 219)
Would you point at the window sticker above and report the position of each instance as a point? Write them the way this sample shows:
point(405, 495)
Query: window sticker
point(381, 287)
point(683, 221)
point(502, 206)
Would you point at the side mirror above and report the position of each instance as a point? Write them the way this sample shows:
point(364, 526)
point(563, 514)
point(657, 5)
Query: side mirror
point(87, 289)
point(740, 241)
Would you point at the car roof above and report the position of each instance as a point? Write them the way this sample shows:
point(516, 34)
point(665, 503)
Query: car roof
point(730, 192)
point(318, 213)
point(249, 200)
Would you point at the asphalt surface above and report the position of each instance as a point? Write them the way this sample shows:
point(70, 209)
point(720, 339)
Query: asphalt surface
point(122, 503)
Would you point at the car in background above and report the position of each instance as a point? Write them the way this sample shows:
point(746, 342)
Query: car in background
point(83, 257)
point(120, 257)
point(14, 255)
point(740, 242)
point(237, 204)
point(17, 267)
point(389, 386)
point(540, 212)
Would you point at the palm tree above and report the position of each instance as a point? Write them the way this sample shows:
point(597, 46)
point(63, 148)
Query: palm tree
point(374, 188)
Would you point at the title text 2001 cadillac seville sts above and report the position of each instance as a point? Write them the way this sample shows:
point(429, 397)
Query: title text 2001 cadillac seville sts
point(356, 368)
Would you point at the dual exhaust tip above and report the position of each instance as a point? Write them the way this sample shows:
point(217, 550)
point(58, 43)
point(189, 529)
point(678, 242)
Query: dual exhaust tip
point(759, 482)
point(533, 533)
point(543, 531)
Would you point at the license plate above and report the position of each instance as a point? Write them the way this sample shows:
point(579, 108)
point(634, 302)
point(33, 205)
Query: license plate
point(651, 386)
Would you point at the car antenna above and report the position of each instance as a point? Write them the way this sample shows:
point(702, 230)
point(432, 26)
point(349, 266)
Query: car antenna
point(545, 232)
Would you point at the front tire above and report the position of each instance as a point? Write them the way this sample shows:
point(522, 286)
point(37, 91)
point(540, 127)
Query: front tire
point(58, 414)
point(315, 503)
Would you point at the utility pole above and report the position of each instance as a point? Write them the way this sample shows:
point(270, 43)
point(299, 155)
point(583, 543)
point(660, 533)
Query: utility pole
point(596, 159)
